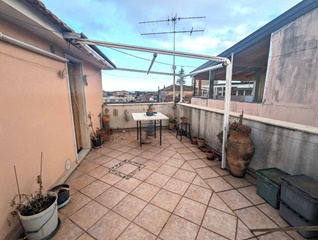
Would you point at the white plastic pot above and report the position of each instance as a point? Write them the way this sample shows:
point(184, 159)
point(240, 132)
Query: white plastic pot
point(43, 224)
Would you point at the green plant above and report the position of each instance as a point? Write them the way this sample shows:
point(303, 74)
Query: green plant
point(30, 204)
point(172, 120)
point(95, 134)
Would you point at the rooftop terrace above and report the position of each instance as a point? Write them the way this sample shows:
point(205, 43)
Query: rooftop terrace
point(175, 193)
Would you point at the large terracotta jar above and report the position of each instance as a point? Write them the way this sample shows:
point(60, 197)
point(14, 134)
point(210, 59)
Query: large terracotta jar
point(239, 149)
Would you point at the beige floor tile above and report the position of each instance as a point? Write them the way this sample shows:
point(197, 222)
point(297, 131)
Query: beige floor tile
point(111, 197)
point(114, 154)
point(189, 156)
point(250, 194)
point(242, 231)
point(136, 151)
point(187, 166)
point(197, 163)
point(98, 172)
point(201, 154)
point(126, 168)
point(130, 207)
point(178, 156)
point(237, 182)
point(211, 163)
point(190, 210)
point(176, 186)
point(179, 229)
point(95, 189)
point(147, 155)
point(253, 218)
point(157, 179)
point(183, 150)
point(102, 159)
point(160, 158)
point(152, 218)
point(68, 231)
point(206, 172)
point(125, 156)
point(167, 170)
point(78, 200)
point(74, 175)
point(85, 236)
point(175, 162)
point(111, 179)
point(143, 174)
point(166, 200)
point(152, 165)
point(140, 160)
point(234, 199)
point(112, 163)
point(89, 214)
point(200, 182)
point(145, 191)
point(185, 175)
point(205, 234)
point(155, 150)
point(221, 172)
point(134, 232)
point(198, 194)
point(275, 235)
point(168, 153)
point(220, 222)
point(217, 203)
point(128, 185)
point(81, 181)
point(92, 155)
point(218, 184)
point(87, 166)
point(109, 227)
point(273, 214)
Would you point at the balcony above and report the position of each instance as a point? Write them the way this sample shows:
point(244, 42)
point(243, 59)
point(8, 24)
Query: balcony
point(177, 194)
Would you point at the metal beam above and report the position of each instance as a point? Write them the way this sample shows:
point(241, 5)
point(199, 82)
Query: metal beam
point(143, 71)
point(76, 40)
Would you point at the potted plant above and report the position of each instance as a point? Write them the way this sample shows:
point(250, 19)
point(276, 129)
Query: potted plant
point(184, 120)
point(37, 212)
point(149, 110)
point(239, 148)
point(194, 140)
point(209, 154)
point(96, 136)
point(172, 123)
point(201, 142)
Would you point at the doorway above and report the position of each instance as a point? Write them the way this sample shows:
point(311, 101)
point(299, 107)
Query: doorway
point(77, 99)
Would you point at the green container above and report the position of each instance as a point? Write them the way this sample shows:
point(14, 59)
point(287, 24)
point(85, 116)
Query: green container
point(268, 185)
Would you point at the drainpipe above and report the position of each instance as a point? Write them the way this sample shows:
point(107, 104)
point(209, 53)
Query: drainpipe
point(229, 69)
point(30, 47)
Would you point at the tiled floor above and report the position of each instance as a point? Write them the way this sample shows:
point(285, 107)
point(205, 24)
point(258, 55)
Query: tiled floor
point(172, 192)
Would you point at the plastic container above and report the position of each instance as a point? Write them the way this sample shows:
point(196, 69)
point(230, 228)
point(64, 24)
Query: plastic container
point(268, 185)
point(300, 192)
point(295, 220)
point(150, 129)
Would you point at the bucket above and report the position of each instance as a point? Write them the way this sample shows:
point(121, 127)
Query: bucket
point(150, 129)
point(43, 224)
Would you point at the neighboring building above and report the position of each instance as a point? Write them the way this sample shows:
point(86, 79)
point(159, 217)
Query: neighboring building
point(166, 93)
point(125, 98)
point(281, 59)
point(48, 88)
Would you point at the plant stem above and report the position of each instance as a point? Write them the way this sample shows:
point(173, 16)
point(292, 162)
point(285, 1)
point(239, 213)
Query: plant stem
point(16, 179)
point(41, 175)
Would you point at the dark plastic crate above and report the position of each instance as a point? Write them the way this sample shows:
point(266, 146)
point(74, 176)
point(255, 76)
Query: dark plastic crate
point(295, 220)
point(300, 192)
point(268, 185)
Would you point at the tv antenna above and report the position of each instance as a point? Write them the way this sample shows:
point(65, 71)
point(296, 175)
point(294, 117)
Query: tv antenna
point(173, 20)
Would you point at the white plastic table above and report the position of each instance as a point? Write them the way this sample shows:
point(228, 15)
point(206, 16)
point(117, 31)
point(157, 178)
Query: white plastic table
point(139, 117)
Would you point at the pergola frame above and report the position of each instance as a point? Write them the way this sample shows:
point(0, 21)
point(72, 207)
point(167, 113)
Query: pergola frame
point(225, 62)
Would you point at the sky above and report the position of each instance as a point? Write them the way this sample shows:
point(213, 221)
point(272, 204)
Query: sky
point(224, 23)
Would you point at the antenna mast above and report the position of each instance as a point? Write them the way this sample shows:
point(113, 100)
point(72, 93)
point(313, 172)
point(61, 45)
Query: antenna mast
point(174, 20)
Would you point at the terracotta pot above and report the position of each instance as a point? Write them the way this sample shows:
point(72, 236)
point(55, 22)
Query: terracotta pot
point(209, 154)
point(194, 140)
point(239, 152)
point(184, 120)
point(201, 142)
point(172, 126)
